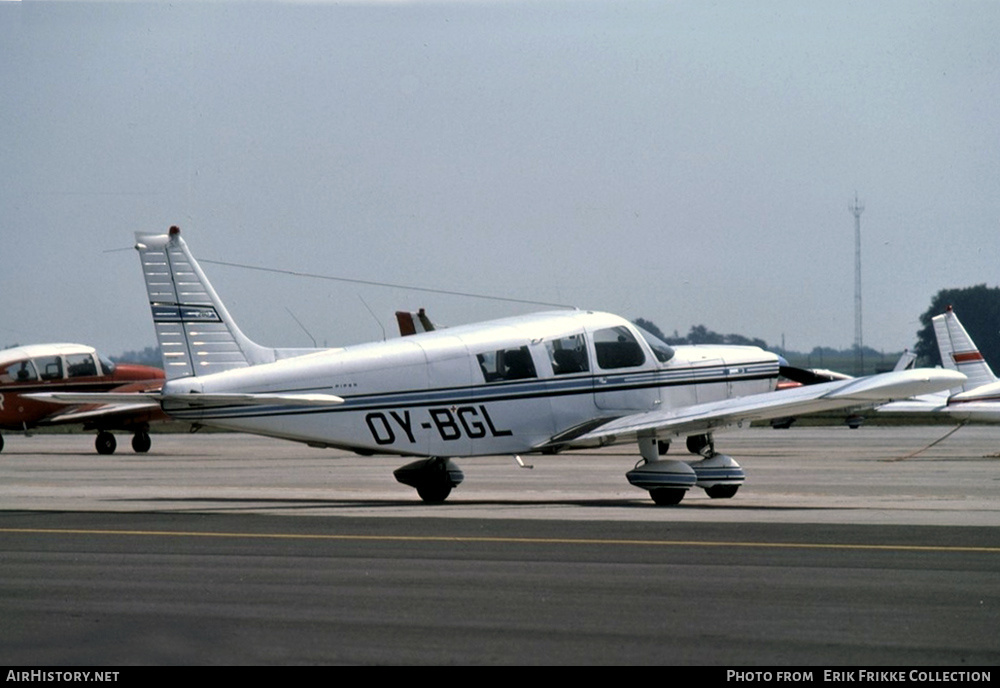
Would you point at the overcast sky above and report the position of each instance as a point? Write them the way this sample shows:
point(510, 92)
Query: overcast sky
point(685, 162)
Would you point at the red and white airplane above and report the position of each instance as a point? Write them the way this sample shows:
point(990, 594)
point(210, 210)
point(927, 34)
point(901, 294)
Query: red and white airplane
point(46, 368)
point(534, 383)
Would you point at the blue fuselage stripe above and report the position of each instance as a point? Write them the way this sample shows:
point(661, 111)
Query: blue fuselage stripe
point(504, 391)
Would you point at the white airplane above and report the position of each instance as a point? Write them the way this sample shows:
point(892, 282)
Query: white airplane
point(535, 383)
point(812, 376)
point(978, 398)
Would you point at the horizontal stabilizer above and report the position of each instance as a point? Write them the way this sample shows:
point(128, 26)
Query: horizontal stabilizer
point(191, 400)
point(144, 398)
point(125, 414)
point(988, 392)
point(196, 400)
point(925, 403)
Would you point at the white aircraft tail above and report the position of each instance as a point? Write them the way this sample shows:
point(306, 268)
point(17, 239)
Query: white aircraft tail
point(959, 352)
point(907, 360)
point(197, 336)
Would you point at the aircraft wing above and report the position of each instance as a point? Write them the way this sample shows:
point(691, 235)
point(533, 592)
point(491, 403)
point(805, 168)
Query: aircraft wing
point(121, 412)
point(699, 418)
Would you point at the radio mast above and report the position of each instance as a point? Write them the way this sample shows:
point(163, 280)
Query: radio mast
point(859, 357)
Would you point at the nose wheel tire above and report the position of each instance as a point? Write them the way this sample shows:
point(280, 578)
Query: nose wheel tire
point(432, 478)
point(434, 494)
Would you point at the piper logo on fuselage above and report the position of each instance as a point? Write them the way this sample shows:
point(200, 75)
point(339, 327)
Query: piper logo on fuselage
point(451, 423)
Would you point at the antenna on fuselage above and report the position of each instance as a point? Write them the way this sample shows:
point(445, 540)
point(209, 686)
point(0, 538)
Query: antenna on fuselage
point(299, 322)
point(373, 315)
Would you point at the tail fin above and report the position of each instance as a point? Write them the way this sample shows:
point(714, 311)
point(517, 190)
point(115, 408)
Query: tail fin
point(195, 331)
point(959, 352)
point(413, 323)
point(907, 360)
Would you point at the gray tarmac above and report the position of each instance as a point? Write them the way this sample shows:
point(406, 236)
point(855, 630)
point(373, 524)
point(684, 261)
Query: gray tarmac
point(800, 475)
point(230, 549)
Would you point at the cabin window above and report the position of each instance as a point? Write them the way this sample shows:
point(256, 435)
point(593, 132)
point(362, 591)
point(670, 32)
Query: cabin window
point(663, 351)
point(50, 367)
point(568, 355)
point(80, 365)
point(22, 371)
point(107, 365)
point(617, 347)
point(507, 364)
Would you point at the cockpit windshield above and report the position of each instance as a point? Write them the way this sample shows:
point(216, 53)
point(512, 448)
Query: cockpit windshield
point(663, 351)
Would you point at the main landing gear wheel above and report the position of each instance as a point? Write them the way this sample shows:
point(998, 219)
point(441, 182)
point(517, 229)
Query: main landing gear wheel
point(667, 496)
point(721, 491)
point(141, 442)
point(700, 444)
point(105, 443)
point(666, 480)
point(1, 442)
point(719, 475)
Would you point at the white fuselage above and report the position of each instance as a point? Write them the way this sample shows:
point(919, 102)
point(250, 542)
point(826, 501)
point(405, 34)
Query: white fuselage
point(507, 386)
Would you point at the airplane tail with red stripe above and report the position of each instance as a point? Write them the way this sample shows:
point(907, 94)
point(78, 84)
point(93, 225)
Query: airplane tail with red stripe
point(959, 352)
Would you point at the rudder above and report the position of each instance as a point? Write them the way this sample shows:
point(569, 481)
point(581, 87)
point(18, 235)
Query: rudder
point(196, 334)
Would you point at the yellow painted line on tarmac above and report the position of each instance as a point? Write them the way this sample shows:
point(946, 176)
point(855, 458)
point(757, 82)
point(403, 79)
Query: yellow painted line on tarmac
point(496, 540)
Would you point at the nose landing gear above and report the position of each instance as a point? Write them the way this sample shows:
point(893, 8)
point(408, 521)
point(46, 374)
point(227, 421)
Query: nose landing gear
point(432, 478)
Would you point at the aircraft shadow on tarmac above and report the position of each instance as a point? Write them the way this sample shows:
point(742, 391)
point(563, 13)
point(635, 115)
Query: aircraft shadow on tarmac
point(254, 503)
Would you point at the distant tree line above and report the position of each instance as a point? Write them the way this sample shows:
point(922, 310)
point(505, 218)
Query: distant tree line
point(700, 334)
point(149, 356)
point(978, 308)
point(842, 360)
point(830, 351)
